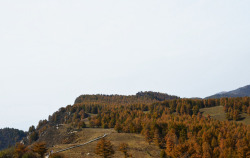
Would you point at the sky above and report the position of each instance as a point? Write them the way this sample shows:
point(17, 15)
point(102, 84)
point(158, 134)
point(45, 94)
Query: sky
point(53, 51)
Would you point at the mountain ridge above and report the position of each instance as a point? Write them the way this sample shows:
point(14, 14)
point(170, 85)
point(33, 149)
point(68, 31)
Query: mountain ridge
point(239, 92)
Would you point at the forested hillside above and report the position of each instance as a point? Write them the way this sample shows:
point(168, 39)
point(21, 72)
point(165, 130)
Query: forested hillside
point(173, 124)
point(9, 137)
point(176, 126)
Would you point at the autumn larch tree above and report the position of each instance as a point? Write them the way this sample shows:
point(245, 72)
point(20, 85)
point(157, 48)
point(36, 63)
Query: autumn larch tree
point(20, 149)
point(104, 148)
point(123, 147)
point(148, 137)
point(40, 148)
point(118, 127)
point(157, 138)
point(169, 146)
point(206, 150)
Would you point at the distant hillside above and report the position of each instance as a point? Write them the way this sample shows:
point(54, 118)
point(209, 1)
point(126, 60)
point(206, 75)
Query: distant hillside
point(9, 137)
point(140, 97)
point(240, 92)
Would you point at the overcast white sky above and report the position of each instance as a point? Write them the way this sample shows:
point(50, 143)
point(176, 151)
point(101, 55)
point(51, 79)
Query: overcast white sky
point(51, 51)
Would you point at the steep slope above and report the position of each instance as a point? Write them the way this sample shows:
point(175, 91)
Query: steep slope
point(240, 92)
point(9, 136)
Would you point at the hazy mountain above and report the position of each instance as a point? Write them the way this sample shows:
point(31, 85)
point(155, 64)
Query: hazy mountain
point(240, 92)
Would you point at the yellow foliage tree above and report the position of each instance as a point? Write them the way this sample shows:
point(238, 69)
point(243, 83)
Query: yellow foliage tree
point(104, 148)
point(40, 148)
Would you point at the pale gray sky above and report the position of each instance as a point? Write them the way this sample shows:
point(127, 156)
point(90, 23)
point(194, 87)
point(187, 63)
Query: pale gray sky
point(52, 51)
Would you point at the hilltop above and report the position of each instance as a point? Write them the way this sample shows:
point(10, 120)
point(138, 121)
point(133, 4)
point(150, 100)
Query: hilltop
point(140, 98)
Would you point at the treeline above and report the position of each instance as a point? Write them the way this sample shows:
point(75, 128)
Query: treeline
point(140, 98)
point(9, 137)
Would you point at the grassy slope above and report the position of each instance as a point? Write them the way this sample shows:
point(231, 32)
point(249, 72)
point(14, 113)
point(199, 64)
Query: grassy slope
point(138, 147)
point(218, 113)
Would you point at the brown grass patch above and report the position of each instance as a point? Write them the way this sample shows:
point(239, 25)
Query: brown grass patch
point(138, 147)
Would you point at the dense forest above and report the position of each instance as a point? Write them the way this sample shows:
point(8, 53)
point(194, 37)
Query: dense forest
point(233, 108)
point(9, 136)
